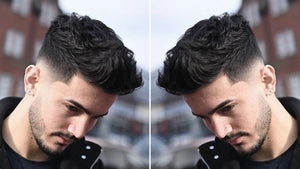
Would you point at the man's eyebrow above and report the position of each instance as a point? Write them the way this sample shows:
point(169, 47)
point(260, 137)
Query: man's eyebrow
point(219, 106)
point(85, 109)
point(80, 106)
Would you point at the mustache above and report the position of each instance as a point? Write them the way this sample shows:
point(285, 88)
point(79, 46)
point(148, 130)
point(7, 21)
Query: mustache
point(228, 137)
point(65, 135)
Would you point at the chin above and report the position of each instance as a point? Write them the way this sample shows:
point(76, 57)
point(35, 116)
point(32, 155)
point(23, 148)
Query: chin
point(247, 151)
point(53, 149)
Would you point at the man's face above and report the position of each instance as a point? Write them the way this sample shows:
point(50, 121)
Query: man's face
point(237, 112)
point(62, 113)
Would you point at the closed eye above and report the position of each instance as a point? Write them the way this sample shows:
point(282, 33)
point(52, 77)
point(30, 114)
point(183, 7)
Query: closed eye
point(198, 116)
point(100, 116)
point(227, 108)
point(97, 117)
point(72, 108)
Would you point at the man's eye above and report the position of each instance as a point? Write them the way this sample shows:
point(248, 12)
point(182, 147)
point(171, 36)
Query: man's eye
point(98, 117)
point(201, 117)
point(72, 108)
point(227, 108)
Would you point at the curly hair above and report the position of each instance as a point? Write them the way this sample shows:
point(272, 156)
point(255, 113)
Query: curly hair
point(78, 44)
point(220, 44)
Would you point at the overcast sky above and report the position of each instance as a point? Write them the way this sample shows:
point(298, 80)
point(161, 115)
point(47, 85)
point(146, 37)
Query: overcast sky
point(132, 20)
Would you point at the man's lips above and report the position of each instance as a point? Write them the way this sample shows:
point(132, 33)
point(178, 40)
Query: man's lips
point(64, 138)
point(235, 141)
point(64, 141)
point(236, 138)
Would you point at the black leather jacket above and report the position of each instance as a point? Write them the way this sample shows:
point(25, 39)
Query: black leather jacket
point(220, 155)
point(79, 155)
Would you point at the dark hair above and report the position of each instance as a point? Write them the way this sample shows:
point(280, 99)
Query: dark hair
point(220, 44)
point(78, 44)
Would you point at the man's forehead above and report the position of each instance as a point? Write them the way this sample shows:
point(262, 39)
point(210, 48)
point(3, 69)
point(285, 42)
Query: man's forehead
point(221, 90)
point(220, 85)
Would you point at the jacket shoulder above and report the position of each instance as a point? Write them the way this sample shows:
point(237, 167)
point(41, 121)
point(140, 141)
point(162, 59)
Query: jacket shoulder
point(201, 165)
point(98, 165)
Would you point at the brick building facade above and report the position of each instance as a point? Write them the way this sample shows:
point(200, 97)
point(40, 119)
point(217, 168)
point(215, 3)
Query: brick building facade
point(23, 24)
point(277, 28)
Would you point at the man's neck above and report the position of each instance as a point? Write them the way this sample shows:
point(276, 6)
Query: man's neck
point(282, 134)
point(18, 136)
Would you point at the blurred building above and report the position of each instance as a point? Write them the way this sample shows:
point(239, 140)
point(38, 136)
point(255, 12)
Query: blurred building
point(23, 24)
point(124, 132)
point(127, 121)
point(180, 133)
point(172, 119)
point(277, 28)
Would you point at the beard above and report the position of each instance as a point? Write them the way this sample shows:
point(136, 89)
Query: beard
point(38, 128)
point(262, 127)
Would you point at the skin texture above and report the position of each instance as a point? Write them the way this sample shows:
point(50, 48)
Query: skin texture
point(53, 114)
point(244, 113)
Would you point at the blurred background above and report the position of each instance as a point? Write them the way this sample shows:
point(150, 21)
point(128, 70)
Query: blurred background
point(149, 28)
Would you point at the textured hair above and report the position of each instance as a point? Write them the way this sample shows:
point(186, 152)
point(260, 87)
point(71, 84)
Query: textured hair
point(78, 44)
point(220, 44)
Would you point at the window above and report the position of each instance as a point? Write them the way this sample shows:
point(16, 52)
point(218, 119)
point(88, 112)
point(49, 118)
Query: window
point(294, 85)
point(279, 88)
point(48, 12)
point(14, 42)
point(251, 12)
point(262, 47)
point(21, 7)
point(5, 85)
point(278, 7)
point(285, 43)
point(37, 47)
point(20, 88)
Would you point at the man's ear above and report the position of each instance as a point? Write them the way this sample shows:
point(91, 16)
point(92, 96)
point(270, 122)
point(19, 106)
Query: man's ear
point(268, 78)
point(31, 78)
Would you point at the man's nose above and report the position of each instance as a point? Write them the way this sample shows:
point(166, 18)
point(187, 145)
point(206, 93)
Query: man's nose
point(220, 127)
point(79, 127)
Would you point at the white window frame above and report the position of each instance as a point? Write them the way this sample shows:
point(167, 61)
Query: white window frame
point(5, 84)
point(14, 43)
point(20, 91)
point(294, 84)
point(263, 49)
point(37, 47)
point(21, 7)
point(285, 43)
point(278, 7)
point(48, 13)
point(251, 12)
point(279, 88)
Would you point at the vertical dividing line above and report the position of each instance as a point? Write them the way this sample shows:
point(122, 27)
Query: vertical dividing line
point(149, 59)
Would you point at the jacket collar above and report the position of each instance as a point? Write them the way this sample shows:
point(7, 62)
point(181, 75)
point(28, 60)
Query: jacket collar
point(292, 105)
point(7, 105)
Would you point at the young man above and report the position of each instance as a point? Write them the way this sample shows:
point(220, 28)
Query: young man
point(218, 69)
point(81, 69)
